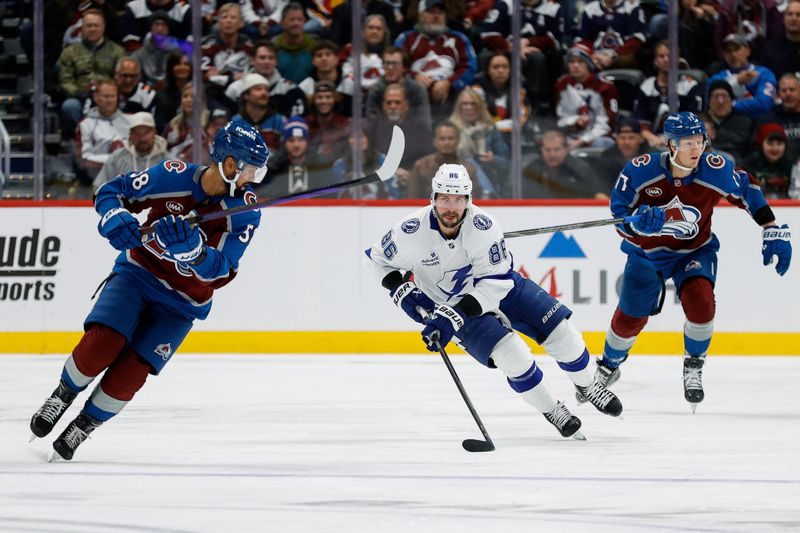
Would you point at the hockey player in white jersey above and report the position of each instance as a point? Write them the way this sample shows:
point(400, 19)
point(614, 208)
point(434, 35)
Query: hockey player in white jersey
point(463, 276)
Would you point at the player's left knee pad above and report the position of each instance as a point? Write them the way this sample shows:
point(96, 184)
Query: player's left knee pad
point(512, 356)
point(126, 376)
point(697, 299)
point(565, 343)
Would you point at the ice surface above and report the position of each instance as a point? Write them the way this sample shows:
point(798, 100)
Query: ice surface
point(373, 443)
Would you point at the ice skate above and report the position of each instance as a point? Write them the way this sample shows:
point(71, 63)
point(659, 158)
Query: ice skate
point(51, 410)
point(77, 431)
point(603, 399)
point(565, 422)
point(605, 376)
point(693, 380)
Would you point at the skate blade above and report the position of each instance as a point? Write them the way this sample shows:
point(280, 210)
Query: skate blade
point(55, 458)
point(33, 437)
point(694, 407)
point(578, 435)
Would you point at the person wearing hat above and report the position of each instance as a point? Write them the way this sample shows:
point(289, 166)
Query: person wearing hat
point(586, 105)
point(787, 111)
point(136, 20)
point(142, 149)
point(629, 143)
point(329, 130)
point(759, 20)
point(770, 163)
point(442, 60)
point(733, 129)
point(753, 86)
point(295, 169)
point(255, 108)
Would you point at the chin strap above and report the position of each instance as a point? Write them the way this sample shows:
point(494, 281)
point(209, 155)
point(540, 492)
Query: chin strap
point(231, 182)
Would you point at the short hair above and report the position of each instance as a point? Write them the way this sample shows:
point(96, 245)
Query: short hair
point(127, 59)
point(264, 43)
point(447, 124)
point(396, 87)
point(293, 6)
point(104, 81)
point(554, 134)
point(93, 11)
point(790, 75)
point(224, 8)
point(325, 44)
point(403, 54)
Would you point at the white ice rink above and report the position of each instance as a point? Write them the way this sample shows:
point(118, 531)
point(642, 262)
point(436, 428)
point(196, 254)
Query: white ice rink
point(373, 444)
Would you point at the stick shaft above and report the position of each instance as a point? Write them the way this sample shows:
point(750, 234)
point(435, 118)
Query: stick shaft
point(567, 227)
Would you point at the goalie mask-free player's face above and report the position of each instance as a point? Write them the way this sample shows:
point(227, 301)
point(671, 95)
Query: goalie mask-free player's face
point(451, 196)
point(688, 150)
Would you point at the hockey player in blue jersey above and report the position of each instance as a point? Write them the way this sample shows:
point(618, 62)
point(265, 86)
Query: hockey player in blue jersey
point(157, 289)
point(674, 193)
point(464, 277)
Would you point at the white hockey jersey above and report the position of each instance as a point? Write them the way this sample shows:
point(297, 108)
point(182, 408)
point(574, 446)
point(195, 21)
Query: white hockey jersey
point(475, 262)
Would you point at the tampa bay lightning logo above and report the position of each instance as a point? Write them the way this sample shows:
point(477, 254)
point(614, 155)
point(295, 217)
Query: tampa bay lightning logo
point(410, 225)
point(482, 222)
point(683, 221)
point(455, 281)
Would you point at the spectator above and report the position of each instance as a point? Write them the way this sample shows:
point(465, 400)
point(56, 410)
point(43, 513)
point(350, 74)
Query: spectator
point(82, 64)
point(787, 112)
point(134, 95)
point(480, 143)
point(753, 86)
point(371, 160)
point(755, 20)
point(542, 29)
point(294, 45)
point(325, 61)
point(733, 129)
point(629, 144)
point(557, 174)
point(419, 137)
point(495, 88)
point(100, 132)
point(226, 53)
point(179, 130)
point(261, 17)
point(696, 32)
point(136, 20)
point(341, 29)
point(587, 105)
point(217, 119)
point(284, 95)
point(375, 40)
point(614, 31)
point(155, 50)
point(782, 53)
point(299, 171)
point(445, 142)
point(140, 151)
point(770, 163)
point(442, 60)
point(328, 130)
point(395, 67)
point(254, 108)
point(168, 99)
point(652, 107)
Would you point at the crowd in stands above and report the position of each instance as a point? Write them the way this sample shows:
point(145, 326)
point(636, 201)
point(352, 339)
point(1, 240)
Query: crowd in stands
point(121, 74)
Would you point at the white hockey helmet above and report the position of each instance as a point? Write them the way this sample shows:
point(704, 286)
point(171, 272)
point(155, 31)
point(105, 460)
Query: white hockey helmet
point(451, 179)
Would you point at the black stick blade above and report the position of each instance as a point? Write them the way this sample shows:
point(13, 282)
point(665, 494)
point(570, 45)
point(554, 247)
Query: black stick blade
point(475, 445)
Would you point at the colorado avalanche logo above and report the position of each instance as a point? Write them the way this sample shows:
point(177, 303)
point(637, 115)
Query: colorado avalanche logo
point(682, 220)
point(164, 351)
point(715, 161)
point(482, 222)
point(173, 165)
point(641, 161)
point(410, 226)
point(250, 198)
point(436, 67)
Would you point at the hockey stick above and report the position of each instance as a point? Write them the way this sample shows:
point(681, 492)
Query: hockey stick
point(390, 165)
point(471, 445)
point(567, 227)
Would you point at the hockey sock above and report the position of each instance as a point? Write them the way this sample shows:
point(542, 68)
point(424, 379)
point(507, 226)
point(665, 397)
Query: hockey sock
point(565, 345)
point(97, 349)
point(119, 384)
point(620, 337)
point(513, 357)
point(697, 338)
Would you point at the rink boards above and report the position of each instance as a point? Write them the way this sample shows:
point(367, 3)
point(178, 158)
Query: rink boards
point(302, 288)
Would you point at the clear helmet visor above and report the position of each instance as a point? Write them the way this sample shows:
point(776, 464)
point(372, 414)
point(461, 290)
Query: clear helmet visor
point(252, 174)
point(695, 142)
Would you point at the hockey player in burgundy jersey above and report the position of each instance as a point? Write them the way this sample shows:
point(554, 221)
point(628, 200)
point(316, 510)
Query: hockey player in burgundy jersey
point(157, 289)
point(675, 193)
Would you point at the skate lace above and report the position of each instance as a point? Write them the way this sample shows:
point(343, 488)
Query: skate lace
point(75, 436)
point(604, 375)
point(559, 416)
point(598, 394)
point(52, 408)
point(692, 378)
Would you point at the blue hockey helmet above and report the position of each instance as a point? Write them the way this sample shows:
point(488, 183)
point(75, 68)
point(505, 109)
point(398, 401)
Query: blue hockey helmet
point(241, 141)
point(683, 124)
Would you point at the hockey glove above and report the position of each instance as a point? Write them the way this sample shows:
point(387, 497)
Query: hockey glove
point(776, 242)
point(121, 229)
point(442, 325)
point(408, 297)
point(177, 236)
point(649, 220)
